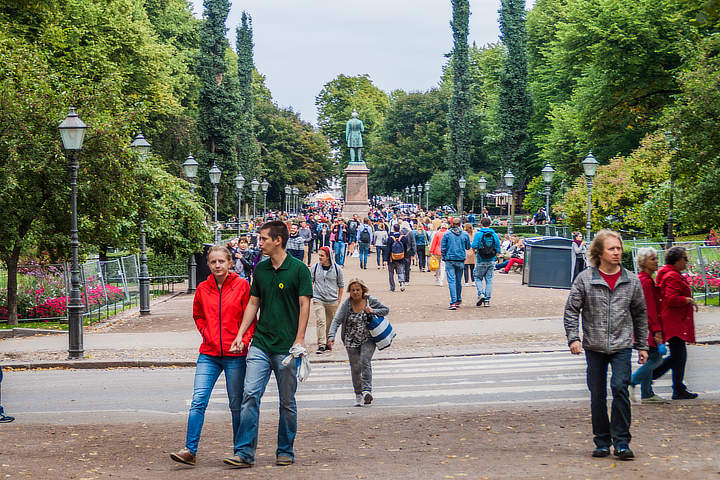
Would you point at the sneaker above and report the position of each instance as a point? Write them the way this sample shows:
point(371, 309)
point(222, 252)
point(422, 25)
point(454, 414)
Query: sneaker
point(601, 452)
point(358, 399)
point(237, 462)
point(466, 284)
point(458, 303)
point(654, 400)
point(284, 461)
point(367, 398)
point(328, 348)
point(623, 452)
point(402, 287)
point(634, 394)
point(320, 349)
point(684, 395)
point(487, 302)
point(6, 418)
point(452, 307)
point(480, 302)
point(183, 456)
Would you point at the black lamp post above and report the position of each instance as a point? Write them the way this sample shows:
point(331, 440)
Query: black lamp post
point(419, 190)
point(254, 185)
point(142, 148)
point(190, 168)
point(407, 194)
point(72, 133)
point(482, 184)
point(412, 196)
point(264, 187)
point(296, 197)
point(427, 195)
point(590, 166)
point(288, 192)
point(547, 173)
point(509, 182)
point(215, 173)
point(670, 237)
point(239, 184)
point(462, 183)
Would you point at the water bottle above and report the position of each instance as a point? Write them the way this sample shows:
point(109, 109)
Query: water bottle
point(662, 349)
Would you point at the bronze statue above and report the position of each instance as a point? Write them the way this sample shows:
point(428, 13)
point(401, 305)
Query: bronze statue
point(353, 136)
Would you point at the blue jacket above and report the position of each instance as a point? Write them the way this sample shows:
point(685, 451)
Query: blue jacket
point(453, 245)
point(478, 238)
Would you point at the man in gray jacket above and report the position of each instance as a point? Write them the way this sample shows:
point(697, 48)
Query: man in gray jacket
point(614, 320)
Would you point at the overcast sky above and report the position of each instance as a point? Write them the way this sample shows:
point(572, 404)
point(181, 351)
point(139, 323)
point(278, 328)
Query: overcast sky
point(301, 45)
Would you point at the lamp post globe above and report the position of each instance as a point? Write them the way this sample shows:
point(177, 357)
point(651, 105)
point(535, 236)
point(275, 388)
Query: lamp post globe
point(590, 167)
point(296, 193)
point(190, 168)
point(72, 133)
point(239, 184)
point(427, 195)
point(215, 173)
point(254, 185)
point(482, 184)
point(462, 183)
point(407, 194)
point(142, 148)
point(509, 182)
point(548, 172)
point(264, 187)
point(288, 192)
point(419, 190)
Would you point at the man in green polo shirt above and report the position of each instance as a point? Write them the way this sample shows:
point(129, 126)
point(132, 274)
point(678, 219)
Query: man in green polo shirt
point(281, 290)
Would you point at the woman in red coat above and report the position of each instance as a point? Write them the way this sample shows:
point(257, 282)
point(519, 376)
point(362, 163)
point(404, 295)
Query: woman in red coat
point(676, 311)
point(218, 310)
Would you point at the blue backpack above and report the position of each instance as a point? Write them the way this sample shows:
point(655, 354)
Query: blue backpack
point(397, 249)
point(486, 249)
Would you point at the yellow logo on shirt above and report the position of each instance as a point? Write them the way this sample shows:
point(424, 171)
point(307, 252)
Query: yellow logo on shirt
point(281, 286)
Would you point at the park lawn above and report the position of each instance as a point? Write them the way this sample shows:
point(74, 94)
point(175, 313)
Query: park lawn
point(49, 325)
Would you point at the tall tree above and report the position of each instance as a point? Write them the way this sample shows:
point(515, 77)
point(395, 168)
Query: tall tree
point(248, 151)
point(515, 102)
point(458, 155)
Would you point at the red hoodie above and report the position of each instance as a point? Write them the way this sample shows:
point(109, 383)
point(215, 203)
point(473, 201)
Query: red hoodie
point(676, 313)
point(218, 314)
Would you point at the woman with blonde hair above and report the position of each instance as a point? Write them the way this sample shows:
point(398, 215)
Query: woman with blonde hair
point(470, 258)
point(353, 316)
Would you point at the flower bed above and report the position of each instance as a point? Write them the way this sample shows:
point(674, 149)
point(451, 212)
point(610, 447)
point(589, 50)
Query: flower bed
point(37, 303)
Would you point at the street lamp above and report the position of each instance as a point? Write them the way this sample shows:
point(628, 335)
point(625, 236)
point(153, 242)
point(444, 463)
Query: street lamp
point(419, 190)
point(72, 133)
point(215, 173)
point(412, 189)
point(547, 174)
point(670, 237)
point(264, 186)
point(509, 182)
point(462, 183)
point(296, 193)
point(590, 166)
point(254, 185)
point(482, 184)
point(407, 194)
point(142, 147)
point(288, 192)
point(190, 167)
point(427, 195)
point(239, 184)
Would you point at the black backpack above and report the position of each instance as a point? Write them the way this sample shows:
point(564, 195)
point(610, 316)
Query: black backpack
point(365, 236)
point(486, 249)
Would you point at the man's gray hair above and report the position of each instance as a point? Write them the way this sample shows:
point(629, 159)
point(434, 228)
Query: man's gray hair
point(643, 254)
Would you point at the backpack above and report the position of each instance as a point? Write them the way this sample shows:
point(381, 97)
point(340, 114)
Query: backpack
point(365, 236)
point(486, 249)
point(397, 249)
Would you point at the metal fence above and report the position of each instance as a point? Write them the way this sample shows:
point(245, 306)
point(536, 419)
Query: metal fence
point(106, 288)
point(703, 272)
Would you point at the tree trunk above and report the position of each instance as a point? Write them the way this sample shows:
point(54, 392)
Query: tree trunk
point(12, 264)
point(103, 253)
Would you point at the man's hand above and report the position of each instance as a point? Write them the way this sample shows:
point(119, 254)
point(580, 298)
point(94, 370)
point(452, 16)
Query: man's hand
point(657, 336)
point(576, 347)
point(330, 342)
point(642, 356)
point(237, 346)
point(300, 341)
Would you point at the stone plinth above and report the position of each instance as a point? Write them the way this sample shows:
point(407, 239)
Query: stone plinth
point(356, 191)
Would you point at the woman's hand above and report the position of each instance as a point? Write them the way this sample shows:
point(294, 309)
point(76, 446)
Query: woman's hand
point(369, 310)
point(330, 342)
point(691, 301)
point(237, 346)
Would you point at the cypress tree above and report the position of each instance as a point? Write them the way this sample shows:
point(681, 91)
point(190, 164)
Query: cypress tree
point(458, 155)
point(515, 104)
point(248, 151)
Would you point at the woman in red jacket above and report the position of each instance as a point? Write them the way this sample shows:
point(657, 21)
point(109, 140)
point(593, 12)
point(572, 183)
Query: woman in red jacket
point(647, 260)
point(676, 311)
point(218, 310)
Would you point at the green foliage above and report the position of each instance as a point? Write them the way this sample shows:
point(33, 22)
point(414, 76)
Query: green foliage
point(441, 189)
point(248, 151)
point(335, 103)
point(535, 192)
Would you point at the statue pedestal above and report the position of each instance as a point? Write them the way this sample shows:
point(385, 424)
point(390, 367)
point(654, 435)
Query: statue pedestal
point(356, 191)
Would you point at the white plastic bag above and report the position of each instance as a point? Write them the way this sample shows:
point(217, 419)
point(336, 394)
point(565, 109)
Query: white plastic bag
point(299, 354)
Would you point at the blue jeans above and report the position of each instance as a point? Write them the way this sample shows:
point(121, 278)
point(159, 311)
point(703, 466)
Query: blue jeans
point(380, 251)
point(484, 271)
point(339, 249)
point(616, 430)
point(259, 366)
point(1, 408)
point(454, 271)
point(644, 374)
point(364, 252)
point(206, 374)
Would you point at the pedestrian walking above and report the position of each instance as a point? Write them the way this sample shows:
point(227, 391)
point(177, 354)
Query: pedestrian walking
point(296, 243)
point(281, 290)
point(436, 252)
point(352, 228)
point(218, 308)
point(453, 246)
point(677, 316)
point(397, 247)
point(364, 237)
point(339, 236)
point(614, 320)
point(411, 250)
point(579, 249)
point(328, 285)
point(647, 261)
point(380, 241)
point(306, 234)
point(354, 316)
point(422, 241)
point(486, 244)
point(3, 418)
point(470, 258)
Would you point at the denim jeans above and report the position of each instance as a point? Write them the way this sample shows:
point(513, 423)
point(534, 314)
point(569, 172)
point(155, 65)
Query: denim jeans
point(380, 251)
point(364, 249)
point(616, 430)
point(339, 249)
point(399, 267)
point(675, 361)
point(484, 271)
point(1, 376)
point(360, 366)
point(454, 271)
point(207, 372)
point(259, 366)
point(422, 258)
point(644, 374)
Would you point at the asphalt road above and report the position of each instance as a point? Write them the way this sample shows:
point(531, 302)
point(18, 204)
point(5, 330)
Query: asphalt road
point(131, 395)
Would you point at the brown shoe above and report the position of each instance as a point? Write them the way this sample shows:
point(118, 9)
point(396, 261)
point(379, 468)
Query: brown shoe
point(184, 456)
